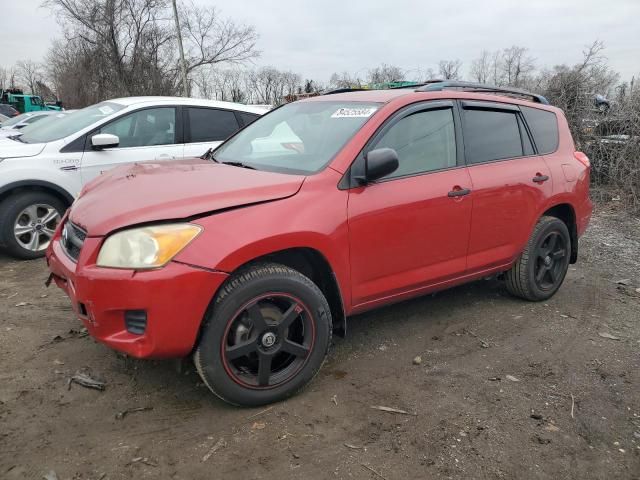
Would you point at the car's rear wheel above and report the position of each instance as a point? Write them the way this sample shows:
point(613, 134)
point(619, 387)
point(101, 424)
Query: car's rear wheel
point(28, 221)
point(265, 336)
point(543, 264)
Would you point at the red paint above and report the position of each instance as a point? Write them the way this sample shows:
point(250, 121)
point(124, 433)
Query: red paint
point(385, 242)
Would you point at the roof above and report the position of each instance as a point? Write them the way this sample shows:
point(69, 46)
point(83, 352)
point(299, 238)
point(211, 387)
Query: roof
point(199, 102)
point(386, 96)
point(377, 96)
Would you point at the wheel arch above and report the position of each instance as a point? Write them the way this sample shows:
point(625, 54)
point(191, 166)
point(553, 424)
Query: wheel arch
point(314, 265)
point(566, 213)
point(36, 185)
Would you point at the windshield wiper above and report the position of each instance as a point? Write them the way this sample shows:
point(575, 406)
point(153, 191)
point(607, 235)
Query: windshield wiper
point(238, 164)
point(17, 138)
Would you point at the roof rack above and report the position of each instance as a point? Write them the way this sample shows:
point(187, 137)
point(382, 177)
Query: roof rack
point(438, 85)
point(343, 90)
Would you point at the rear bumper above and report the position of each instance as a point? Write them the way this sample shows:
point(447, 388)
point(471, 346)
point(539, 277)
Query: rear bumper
point(175, 299)
point(583, 216)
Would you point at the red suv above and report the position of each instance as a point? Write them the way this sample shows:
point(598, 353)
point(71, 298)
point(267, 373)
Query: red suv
point(251, 257)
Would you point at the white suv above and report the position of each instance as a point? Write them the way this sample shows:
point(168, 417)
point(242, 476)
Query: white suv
point(43, 170)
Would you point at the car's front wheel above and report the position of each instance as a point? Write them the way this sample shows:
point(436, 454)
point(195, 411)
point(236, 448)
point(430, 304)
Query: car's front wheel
point(265, 336)
point(28, 221)
point(543, 264)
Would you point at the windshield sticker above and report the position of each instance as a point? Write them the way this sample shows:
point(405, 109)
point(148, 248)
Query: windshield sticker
point(352, 112)
point(106, 110)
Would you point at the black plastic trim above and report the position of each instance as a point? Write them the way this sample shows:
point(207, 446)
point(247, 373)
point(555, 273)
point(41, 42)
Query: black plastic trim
point(75, 146)
point(439, 85)
point(38, 183)
point(476, 105)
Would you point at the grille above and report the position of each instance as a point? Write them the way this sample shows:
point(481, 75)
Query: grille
point(72, 239)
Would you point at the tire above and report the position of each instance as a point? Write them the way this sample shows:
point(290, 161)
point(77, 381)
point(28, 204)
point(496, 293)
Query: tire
point(18, 210)
point(266, 315)
point(542, 266)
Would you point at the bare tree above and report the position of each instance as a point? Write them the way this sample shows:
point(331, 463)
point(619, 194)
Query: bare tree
point(271, 86)
point(385, 74)
point(449, 69)
point(212, 40)
point(345, 80)
point(496, 68)
point(30, 74)
point(516, 65)
point(128, 47)
point(5, 75)
point(481, 67)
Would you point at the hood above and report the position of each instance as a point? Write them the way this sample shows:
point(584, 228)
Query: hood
point(15, 149)
point(148, 192)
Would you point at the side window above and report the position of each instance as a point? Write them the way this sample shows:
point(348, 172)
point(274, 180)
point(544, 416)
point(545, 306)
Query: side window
point(491, 135)
point(526, 141)
point(211, 125)
point(247, 118)
point(424, 141)
point(544, 127)
point(153, 126)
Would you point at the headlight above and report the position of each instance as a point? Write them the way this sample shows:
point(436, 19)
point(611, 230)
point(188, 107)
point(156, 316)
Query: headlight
point(146, 247)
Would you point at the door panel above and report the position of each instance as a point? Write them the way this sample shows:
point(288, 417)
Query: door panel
point(506, 202)
point(502, 166)
point(407, 233)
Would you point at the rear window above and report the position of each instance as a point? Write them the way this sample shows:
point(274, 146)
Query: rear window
point(211, 125)
point(544, 127)
point(247, 118)
point(491, 135)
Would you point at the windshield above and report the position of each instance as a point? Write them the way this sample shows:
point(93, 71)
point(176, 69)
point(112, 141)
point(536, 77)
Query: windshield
point(299, 138)
point(17, 119)
point(69, 124)
point(43, 121)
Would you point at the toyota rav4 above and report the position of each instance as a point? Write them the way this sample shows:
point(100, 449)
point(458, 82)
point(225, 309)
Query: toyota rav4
point(252, 257)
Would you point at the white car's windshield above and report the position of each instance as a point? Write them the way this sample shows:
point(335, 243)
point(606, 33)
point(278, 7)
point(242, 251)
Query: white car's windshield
point(297, 138)
point(15, 120)
point(69, 124)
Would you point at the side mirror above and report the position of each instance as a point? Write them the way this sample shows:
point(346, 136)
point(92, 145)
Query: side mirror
point(378, 163)
point(104, 140)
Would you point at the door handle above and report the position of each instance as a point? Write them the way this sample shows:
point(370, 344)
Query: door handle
point(459, 192)
point(539, 178)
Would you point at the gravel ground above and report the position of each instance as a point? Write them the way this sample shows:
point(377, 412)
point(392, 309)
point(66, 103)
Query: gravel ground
point(503, 389)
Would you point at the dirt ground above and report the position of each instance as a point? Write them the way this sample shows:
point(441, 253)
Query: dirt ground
point(505, 389)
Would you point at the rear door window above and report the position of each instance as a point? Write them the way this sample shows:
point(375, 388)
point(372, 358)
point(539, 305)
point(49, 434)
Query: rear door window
point(211, 125)
point(544, 127)
point(491, 135)
point(247, 118)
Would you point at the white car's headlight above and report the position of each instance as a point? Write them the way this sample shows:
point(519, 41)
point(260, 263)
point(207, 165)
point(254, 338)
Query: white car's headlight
point(146, 247)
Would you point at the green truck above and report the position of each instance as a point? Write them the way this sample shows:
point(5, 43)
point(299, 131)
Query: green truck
point(24, 102)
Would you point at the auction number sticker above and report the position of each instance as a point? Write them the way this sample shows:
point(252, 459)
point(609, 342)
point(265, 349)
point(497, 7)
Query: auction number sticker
point(354, 112)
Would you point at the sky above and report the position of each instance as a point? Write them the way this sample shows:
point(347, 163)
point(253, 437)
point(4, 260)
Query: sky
point(317, 38)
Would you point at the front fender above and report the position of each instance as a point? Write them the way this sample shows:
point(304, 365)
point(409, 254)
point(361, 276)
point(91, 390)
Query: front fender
point(315, 218)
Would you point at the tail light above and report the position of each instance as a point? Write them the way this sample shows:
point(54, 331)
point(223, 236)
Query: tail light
point(582, 158)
